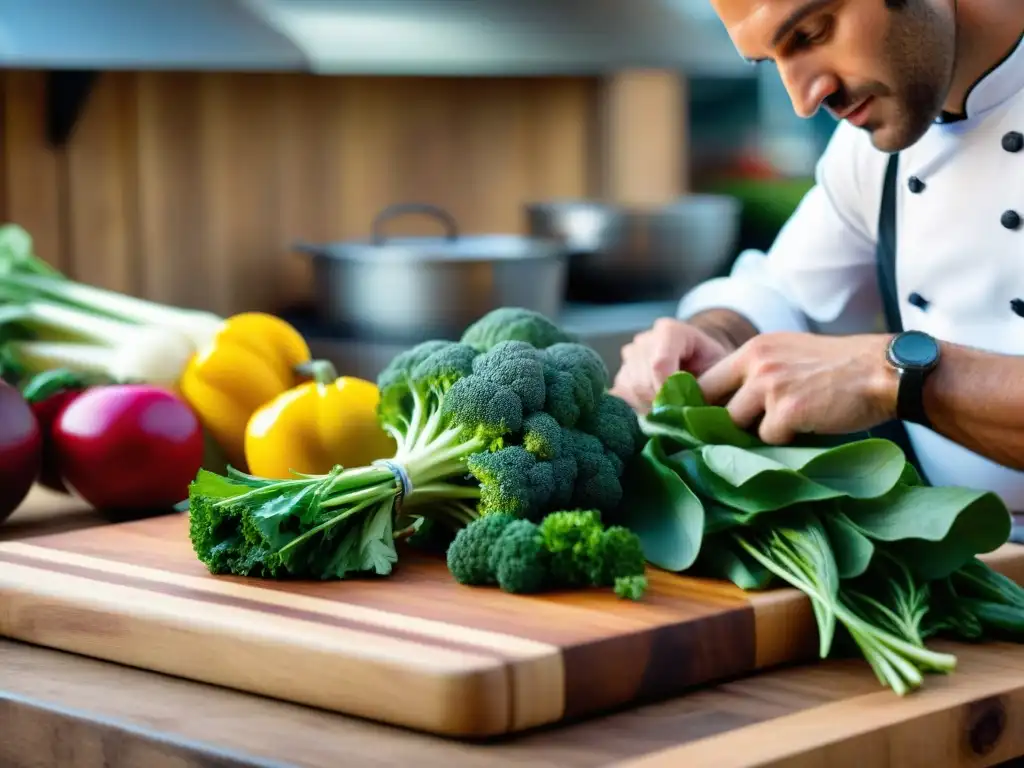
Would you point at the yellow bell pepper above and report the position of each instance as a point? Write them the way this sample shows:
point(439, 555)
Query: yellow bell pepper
point(311, 428)
point(252, 359)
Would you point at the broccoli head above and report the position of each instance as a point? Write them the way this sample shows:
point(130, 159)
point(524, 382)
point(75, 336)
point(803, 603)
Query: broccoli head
point(470, 551)
point(598, 479)
point(482, 410)
point(575, 377)
point(519, 560)
point(513, 481)
point(516, 365)
point(546, 439)
point(514, 324)
point(616, 425)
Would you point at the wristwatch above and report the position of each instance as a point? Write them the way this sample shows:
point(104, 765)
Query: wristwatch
point(914, 355)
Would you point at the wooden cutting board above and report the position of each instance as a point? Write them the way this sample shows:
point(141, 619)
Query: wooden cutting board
point(416, 649)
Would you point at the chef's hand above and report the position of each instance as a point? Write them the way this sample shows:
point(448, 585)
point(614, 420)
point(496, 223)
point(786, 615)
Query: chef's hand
point(668, 347)
point(803, 383)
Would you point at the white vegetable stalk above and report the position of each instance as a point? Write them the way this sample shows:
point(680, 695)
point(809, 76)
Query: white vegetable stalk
point(198, 326)
point(123, 351)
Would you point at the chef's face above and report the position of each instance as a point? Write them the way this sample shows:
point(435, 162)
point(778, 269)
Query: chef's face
point(883, 65)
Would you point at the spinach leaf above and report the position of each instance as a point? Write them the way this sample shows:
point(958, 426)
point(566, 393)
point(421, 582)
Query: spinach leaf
point(712, 424)
point(663, 511)
point(722, 558)
point(853, 550)
point(934, 530)
point(680, 390)
point(744, 481)
point(718, 518)
point(866, 469)
point(669, 424)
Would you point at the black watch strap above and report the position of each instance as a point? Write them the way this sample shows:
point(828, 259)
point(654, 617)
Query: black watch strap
point(910, 397)
point(914, 355)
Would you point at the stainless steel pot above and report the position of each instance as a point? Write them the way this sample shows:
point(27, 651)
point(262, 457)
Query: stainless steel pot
point(624, 254)
point(410, 288)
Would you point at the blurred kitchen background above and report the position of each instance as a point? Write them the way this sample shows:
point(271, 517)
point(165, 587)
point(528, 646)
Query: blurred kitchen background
point(380, 171)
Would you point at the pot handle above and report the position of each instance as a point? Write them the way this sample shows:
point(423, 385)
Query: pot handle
point(377, 236)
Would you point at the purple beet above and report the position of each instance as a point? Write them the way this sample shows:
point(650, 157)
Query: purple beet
point(21, 449)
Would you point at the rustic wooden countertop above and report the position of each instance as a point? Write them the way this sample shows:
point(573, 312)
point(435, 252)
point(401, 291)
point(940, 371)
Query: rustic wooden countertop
point(65, 711)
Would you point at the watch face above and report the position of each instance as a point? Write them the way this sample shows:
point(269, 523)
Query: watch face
point(914, 349)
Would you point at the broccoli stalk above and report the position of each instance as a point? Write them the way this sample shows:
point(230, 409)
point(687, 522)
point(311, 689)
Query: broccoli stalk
point(516, 429)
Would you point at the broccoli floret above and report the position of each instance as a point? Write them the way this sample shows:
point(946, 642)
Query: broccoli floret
point(444, 366)
point(574, 540)
point(546, 439)
point(630, 587)
point(622, 556)
point(575, 377)
point(395, 381)
point(519, 560)
point(565, 472)
point(516, 365)
point(598, 480)
point(470, 551)
point(514, 324)
point(568, 549)
point(616, 425)
point(513, 481)
point(543, 436)
point(483, 410)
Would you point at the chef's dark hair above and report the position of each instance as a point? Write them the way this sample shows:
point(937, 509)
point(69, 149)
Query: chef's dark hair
point(895, 5)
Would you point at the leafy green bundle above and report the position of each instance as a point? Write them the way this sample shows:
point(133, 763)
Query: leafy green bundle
point(514, 418)
point(850, 524)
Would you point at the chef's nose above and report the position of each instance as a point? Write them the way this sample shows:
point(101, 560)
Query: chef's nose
point(807, 89)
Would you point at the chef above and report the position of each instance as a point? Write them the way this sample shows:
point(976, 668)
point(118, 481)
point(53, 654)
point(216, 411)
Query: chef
point(893, 299)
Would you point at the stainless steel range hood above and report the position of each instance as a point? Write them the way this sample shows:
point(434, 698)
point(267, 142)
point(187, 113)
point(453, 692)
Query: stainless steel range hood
point(141, 34)
point(442, 37)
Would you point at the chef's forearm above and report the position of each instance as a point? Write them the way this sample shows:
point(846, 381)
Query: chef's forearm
point(730, 328)
point(976, 399)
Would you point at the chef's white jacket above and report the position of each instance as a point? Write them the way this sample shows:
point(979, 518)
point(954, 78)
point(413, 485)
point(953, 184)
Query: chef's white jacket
point(960, 252)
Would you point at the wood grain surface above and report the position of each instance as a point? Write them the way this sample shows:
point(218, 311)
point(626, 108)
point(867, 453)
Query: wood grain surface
point(416, 648)
point(831, 713)
point(828, 714)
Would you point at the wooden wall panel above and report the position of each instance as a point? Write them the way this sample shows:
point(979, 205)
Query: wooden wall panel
point(189, 188)
point(34, 196)
point(100, 175)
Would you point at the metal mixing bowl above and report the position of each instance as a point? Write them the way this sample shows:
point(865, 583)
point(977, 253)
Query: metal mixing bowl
point(625, 254)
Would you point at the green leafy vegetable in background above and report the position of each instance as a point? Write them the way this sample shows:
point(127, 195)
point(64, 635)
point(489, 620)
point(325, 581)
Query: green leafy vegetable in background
point(847, 521)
